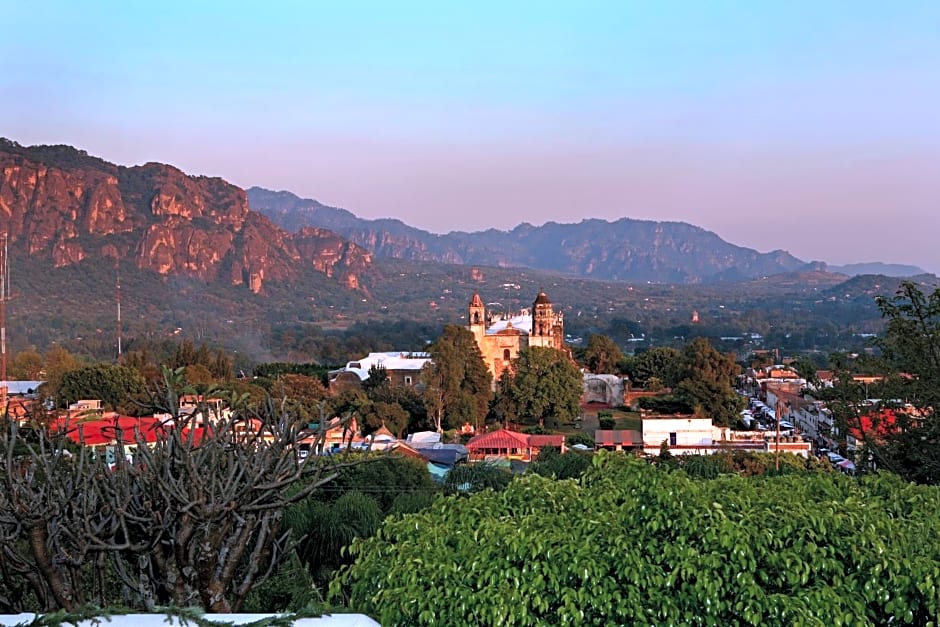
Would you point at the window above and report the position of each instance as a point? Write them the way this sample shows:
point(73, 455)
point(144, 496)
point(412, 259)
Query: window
point(506, 355)
point(407, 380)
point(673, 438)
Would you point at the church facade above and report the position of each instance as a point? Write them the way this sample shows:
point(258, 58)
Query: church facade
point(501, 337)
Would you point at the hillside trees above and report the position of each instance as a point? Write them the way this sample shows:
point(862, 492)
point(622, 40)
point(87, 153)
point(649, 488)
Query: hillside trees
point(633, 544)
point(457, 385)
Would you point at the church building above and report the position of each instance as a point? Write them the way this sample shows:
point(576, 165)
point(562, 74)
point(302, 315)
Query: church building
point(501, 337)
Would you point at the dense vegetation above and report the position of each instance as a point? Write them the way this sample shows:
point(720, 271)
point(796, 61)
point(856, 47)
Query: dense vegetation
point(634, 544)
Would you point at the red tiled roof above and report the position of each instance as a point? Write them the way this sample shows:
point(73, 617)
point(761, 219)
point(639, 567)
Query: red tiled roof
point(547, 440)
point(613, 437)
point(106, 430)
point(502, 439)
point(878, 426)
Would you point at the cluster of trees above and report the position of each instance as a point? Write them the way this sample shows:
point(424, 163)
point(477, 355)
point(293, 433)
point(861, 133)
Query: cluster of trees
point(632, 543)
point(700, 379)
point(542, 387)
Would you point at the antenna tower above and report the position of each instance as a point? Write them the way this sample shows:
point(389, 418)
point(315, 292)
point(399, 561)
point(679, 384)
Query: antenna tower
point(4, 297)
point(117, 264)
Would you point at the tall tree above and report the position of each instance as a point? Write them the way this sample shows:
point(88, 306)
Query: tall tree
point(602, 356)
point(707, 380)
point(377, 379)
point(457, 384)
point(545, 387)
point(117, 387)
point(27, 366)
point(660, 363)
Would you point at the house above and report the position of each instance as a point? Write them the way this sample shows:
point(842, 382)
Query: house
point(511, 445)
point(693, 436)
point(402, 368)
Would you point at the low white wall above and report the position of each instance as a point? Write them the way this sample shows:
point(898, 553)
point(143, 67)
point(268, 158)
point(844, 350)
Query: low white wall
point(162, 620)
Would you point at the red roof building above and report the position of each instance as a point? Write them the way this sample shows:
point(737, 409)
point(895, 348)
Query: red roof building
point(511, 444)
point(109, 429)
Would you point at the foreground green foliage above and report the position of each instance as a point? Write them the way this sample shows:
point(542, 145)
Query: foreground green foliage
point(634, 544)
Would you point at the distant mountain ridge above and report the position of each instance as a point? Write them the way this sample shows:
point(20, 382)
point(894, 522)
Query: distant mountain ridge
point(624, 250)
point(879, 268)
point(628, 249)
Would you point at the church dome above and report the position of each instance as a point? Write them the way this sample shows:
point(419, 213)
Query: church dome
point(542, 299)
point(476, 301)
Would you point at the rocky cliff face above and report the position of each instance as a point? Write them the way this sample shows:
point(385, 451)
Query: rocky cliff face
point(59, 202)
point(628, 250)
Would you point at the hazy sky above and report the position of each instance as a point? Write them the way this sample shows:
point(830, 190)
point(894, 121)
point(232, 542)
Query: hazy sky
point(808, 126)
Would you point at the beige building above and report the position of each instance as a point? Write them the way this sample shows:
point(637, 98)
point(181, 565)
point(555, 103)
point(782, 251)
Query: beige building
point(501, 337)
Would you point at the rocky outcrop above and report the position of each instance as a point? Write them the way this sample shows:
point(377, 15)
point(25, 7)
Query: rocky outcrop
point(334, 256)
point(59, 202)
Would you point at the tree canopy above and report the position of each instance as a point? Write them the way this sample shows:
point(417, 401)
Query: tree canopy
point(115, 386)
point(632, 544)
point(544, 385)
point(894, 415)
point(602, 356)
point(457, 384)
point(660, 363)
point(706, 382)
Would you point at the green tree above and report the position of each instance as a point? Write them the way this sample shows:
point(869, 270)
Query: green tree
point(117, 387)
point(457, 385)
point(377, 379)
point(380, 413)
point(911, 349)
point(58, 361)
point(661, 363)
point(602, 356)
point(546, 386)
point(707, 380)
point(504, 406)
point(410, 400)
point(27, 366)
point(806, 368)
point(634, 544)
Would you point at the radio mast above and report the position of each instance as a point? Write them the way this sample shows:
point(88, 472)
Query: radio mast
point(119, 355)
point(4, 297)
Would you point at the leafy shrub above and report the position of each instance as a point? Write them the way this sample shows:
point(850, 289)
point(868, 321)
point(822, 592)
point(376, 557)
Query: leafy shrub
point(569, 465)
point(632, 544)
point(472, 478)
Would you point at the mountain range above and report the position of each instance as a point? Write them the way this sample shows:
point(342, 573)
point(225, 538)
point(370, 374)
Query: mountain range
point(263, 272)
point(624, 250)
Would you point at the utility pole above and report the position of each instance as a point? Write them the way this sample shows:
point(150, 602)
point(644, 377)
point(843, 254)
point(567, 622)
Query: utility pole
point(4, 296)
point(117, 264)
